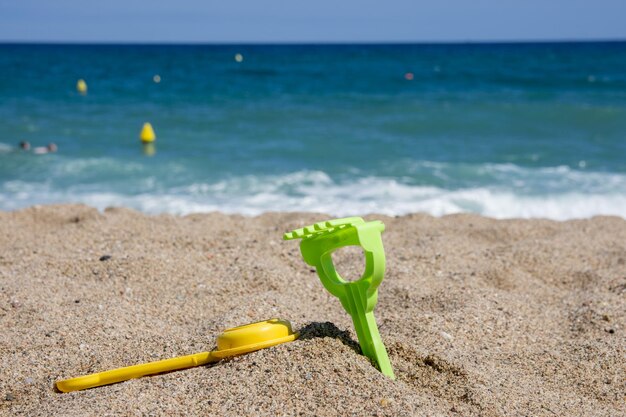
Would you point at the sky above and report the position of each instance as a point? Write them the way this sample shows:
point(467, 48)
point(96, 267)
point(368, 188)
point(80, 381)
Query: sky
point(259, 21)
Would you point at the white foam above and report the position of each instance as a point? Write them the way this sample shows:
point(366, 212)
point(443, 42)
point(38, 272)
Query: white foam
point(6, 148)
point(315, 191)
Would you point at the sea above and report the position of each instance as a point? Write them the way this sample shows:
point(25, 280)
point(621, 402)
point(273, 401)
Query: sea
point(505, 130)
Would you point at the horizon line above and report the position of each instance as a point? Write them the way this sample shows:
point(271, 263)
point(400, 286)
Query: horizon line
point(311, 43)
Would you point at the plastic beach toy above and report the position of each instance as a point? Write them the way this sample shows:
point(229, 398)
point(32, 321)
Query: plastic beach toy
point(358, 298)
point(232, 342)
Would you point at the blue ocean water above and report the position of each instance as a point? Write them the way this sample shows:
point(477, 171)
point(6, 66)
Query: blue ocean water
point(504, 130)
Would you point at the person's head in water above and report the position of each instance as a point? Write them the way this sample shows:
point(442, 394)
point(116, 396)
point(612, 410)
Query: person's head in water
point(24, 145)
point(52, 147)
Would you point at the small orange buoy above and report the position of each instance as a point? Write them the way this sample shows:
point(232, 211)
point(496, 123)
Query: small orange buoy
point(408, 76)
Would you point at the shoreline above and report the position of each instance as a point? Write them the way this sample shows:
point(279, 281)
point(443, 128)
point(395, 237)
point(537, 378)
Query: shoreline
point(320, 214)
point(479, 316)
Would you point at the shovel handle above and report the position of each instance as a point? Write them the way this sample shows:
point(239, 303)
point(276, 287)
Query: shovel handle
point(135, 371)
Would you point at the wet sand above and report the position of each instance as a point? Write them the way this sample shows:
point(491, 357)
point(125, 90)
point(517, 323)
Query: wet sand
point(479, 316)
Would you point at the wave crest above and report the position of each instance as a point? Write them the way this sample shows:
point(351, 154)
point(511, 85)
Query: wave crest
point(316, 191)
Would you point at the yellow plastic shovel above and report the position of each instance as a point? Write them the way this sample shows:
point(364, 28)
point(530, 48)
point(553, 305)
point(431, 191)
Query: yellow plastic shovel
point(232, 342)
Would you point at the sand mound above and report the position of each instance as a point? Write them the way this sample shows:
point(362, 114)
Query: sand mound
point(480, 317)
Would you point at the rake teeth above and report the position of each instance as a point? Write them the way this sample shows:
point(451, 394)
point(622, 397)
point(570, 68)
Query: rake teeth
point(322, 227)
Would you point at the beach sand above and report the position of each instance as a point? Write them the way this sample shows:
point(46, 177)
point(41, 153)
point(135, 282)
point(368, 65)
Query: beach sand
point(479, 316)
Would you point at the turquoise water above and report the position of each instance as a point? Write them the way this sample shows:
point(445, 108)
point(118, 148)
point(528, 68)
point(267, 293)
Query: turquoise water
point(504, 130)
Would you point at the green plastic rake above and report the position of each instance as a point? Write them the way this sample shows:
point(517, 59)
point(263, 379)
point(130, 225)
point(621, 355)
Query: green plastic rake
point(358, 298)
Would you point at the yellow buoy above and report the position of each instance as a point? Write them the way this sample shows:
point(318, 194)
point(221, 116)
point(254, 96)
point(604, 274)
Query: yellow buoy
point(81, 86)
point(238, 57)
point(147, 133)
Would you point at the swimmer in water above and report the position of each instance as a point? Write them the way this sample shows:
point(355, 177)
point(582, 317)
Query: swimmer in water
point(25, 146)
point(41, 150)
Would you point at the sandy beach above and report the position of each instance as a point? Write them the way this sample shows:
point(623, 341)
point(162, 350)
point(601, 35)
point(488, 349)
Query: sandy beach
point(479, 316)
